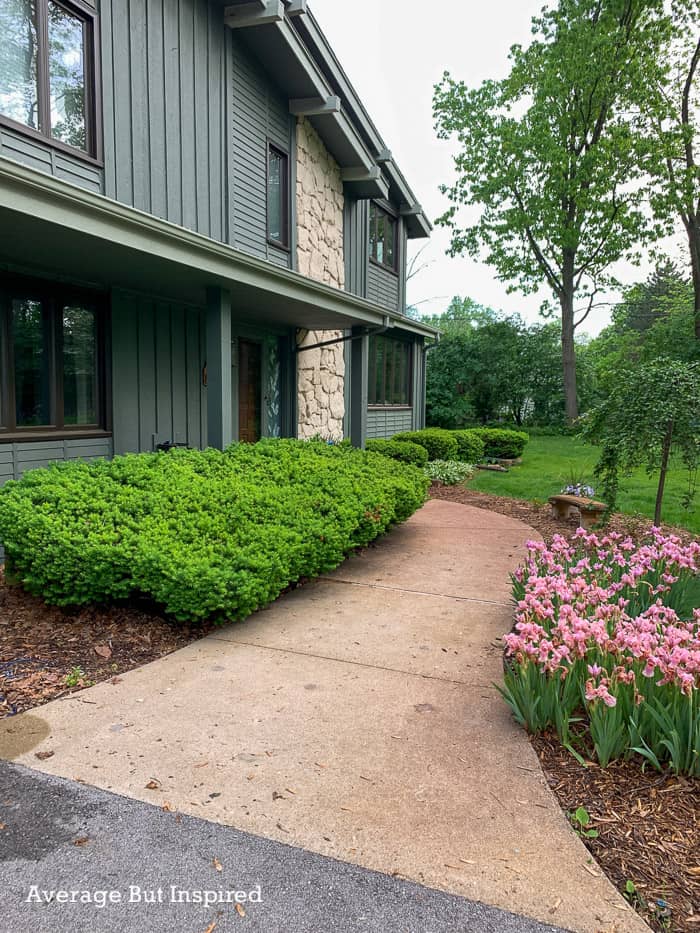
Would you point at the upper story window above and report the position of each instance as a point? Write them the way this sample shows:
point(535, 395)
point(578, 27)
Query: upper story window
point(278, 196)
point(383, 239)
point(47, 74)
point(390, 371)
point(51, 352)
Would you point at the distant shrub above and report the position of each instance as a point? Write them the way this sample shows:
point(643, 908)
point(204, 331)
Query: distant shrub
point(440, 443)
point(405, 451)
point(470, 446)
point(202, 533)
point(448, 472)
point(501, 442)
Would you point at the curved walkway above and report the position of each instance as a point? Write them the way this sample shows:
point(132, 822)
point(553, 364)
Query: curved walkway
point(355, 718)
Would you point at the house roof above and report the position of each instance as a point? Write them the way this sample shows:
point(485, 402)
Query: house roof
point(288, 40)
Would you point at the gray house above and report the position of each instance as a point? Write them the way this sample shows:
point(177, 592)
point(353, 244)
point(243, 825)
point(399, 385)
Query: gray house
point(202, 234)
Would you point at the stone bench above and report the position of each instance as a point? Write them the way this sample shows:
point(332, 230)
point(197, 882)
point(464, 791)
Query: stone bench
point(589, 510)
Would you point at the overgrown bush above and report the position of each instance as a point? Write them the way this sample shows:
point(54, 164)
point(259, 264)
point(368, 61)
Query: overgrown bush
point(606, 648)
point(502, 442)
point(470, 446)
point(440, 443)
point(448, 472)
point(405, 451)
point(202, 533)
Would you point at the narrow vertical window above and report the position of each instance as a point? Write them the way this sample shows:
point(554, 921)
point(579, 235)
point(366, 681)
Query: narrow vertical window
point(31, 338)
point(79, 325)
point(278, 197)
point(19, 53)
point(67, 76)
point(382, 237)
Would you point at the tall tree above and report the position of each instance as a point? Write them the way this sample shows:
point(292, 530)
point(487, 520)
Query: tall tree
point(548, 156)
point(671, 107)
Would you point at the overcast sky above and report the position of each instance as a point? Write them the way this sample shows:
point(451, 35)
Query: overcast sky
point(394, 53)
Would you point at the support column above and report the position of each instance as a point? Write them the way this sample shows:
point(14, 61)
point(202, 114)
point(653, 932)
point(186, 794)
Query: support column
point(359, 376)
point(219, 388)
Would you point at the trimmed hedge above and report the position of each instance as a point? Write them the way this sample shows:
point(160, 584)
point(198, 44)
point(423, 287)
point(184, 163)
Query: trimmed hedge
point(470, 446)
point(501, 442)
point(405, 451)
point(202, 533)
point(440, 443)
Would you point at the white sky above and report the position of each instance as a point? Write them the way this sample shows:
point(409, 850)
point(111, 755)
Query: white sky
point(394, 53)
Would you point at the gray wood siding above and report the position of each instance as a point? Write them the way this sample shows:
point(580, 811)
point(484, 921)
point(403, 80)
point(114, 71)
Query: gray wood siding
point(163, 64)
point(383, 287)
point(259, 113)
point(17, 458)
point(385, 422)
point(157, 359)
point(45, 158)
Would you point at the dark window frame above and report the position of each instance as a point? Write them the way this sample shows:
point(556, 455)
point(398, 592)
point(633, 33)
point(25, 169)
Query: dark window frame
point(282, 153)
point(93, 116)
point(377, 212)
point(377, 397)
point(54, 296)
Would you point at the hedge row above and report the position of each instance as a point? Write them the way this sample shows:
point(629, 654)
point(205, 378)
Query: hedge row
point(202, 533)
point(470, 445)
point(405, 451)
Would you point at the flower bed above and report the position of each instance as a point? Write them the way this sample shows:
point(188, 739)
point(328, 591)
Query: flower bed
point(606, 647)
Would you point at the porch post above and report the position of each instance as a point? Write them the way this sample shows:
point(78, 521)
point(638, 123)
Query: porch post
point(359, 375)
point(219, 388)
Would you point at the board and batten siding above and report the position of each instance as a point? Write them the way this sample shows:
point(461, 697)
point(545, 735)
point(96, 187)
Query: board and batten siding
point(158, 351)
point(45, 158)
point(163, 87)
point(17, 458)
point(259, 113)
point(385, 422)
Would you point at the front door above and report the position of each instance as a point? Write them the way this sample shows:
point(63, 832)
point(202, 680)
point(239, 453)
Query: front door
point(249, 390)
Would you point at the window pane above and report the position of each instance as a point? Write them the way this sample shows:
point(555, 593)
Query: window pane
point(31, 335)
point(379, 372)
point(275, 196)
point(79, 365)
point(379, 255)
point(67, 76)
point(389, 240)
point(18, 62)
point(373, 231)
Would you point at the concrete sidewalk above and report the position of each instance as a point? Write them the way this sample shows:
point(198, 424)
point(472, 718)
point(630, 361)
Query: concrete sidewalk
point(354, 718)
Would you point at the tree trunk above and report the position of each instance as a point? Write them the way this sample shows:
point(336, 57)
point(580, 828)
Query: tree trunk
point(694, 245)
point(665, 453)
point(568, 352)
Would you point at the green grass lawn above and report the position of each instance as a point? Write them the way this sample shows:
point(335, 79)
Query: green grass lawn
point(548, 464)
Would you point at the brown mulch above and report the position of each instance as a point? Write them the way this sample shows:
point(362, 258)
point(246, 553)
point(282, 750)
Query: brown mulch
point(41, 645)
point(648, 823)
point(649, 830)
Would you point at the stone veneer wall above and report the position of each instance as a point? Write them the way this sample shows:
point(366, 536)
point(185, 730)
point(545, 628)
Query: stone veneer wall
point(319, 203)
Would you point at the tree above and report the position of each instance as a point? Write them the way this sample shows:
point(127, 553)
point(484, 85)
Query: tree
point(650, 411)
point(671, 108)
point(549, 157)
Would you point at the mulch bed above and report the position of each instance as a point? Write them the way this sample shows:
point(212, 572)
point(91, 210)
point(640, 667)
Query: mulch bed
point(648, 823)
point(41, 646)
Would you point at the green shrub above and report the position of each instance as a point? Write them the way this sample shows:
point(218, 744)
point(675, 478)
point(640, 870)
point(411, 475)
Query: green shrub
point(405, 451)
point(470, 446)
point(440, 443)
point(202, 533)
point(501, 442)
point(448, 472)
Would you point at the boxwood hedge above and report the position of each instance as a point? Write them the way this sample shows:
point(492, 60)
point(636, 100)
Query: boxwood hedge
point(501, 442)
point(405, 451)
point(440, 443)
point(470, 447)
point(205, 534)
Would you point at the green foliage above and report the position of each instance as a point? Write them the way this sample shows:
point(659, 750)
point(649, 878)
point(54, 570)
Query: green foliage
point(405, 451)
point(649, 411)
point(470, 446)
point(448, 472)
point(550, 159)
point(202, 533)
point(502, 442)
point(440, 444)
point(582, 823)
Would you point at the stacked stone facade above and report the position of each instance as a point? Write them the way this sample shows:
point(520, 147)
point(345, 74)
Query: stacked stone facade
point(319, 206)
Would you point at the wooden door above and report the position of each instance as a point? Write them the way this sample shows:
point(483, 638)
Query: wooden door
point(249, 390)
